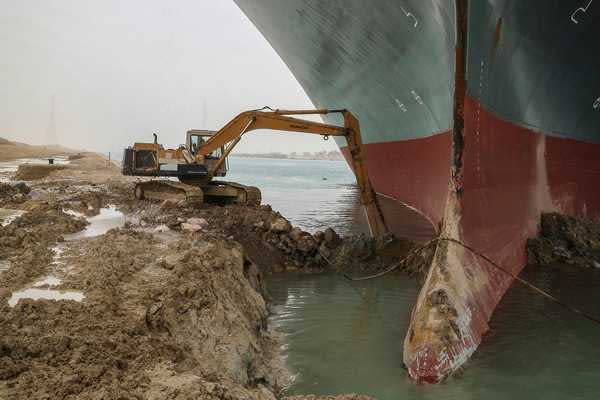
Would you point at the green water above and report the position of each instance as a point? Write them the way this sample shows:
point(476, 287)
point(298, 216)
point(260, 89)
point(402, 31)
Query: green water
point(345, 337)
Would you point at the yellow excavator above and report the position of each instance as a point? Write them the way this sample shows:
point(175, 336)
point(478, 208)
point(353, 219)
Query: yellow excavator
point(204, 157)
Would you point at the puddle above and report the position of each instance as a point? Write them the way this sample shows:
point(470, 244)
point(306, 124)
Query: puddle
point(107, 219)
point(74, 213)
point(58, 250)
point(7, 215)
point(48, 281)
point(44, 294)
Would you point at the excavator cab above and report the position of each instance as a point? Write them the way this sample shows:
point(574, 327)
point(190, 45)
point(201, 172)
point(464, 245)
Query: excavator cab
point(196, 138)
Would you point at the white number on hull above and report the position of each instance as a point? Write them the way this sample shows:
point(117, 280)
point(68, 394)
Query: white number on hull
point(401, 105)
point(597, 104)
point(580, 9)
point(417, 97)
point(410, 15)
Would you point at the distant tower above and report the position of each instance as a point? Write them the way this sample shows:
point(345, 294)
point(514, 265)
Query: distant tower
point(51, 133)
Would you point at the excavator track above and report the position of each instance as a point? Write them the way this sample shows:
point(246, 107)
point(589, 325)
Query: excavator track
point(248, 195)
point(222, 192)
point(169, 190)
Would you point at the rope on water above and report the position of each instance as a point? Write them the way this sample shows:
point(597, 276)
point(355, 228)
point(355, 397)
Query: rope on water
point(491, 262)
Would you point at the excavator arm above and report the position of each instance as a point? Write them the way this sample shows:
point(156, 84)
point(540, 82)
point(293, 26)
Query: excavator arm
point(281, 120)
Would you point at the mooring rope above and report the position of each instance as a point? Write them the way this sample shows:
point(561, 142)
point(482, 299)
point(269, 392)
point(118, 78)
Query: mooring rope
point(490, 261)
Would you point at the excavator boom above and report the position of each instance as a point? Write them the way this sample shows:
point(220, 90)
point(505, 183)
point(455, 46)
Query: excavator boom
point(280, 120)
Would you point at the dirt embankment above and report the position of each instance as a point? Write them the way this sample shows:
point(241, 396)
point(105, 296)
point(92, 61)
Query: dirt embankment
point(10, 150)
point(567, 240)
point(167, 314)
point(30, 172)
point(174, 303)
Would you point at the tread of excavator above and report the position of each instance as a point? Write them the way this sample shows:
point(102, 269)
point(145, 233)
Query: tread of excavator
point(163, 190)
point(253, 194)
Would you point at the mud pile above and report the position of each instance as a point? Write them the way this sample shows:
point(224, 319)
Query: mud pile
point(29, 172)
point(159, 321)
point(272, 241)
point(13, 193)
point(25, 244)
point(567, 240)
point(267, 237)
point(275, 245)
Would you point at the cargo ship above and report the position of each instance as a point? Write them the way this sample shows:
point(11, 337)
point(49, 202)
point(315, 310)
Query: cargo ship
point(477, 114)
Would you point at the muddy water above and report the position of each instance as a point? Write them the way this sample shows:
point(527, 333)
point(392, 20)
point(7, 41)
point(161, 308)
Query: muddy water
point(45, 294)
point(342, 337)
point(107, 219)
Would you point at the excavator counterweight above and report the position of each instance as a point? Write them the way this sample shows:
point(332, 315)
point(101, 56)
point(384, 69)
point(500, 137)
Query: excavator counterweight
point(204, 157)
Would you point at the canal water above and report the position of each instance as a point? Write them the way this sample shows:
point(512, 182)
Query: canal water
point(310, 193)
point(342, 336)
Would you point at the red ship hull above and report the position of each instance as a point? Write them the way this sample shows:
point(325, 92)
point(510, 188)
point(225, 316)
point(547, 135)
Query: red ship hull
point(510, 175)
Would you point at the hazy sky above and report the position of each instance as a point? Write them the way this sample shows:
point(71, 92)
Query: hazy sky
point(120, 70)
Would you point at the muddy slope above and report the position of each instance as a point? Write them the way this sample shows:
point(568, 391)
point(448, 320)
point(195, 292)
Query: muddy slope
point(174, 300)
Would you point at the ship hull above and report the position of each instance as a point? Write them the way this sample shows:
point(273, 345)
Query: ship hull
point(528, 140)
point(415, 171)
point(529, 144)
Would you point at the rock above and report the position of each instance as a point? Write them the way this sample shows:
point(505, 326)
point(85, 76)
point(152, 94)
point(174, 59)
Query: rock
point(16, 192)
point(296, 233)
point(319, 236)
point(331, 238)
point(259, 225)
point(21, 187)
point(306, 243)
point(194, 224)
point(190, 227)
point(197, 221)
point(169, 204)
point(324, 250)
point(281, 225)
point(161, 228)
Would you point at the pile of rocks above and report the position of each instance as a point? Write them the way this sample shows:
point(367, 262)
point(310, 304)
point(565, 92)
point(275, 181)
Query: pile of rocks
point(567, 240)
point(306, 250)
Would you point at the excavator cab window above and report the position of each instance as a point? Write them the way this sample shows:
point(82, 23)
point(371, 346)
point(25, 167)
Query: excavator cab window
point(197, 141)
point(217, 153)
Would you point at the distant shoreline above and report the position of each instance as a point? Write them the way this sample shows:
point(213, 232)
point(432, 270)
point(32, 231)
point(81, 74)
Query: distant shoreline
point(323, 156)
